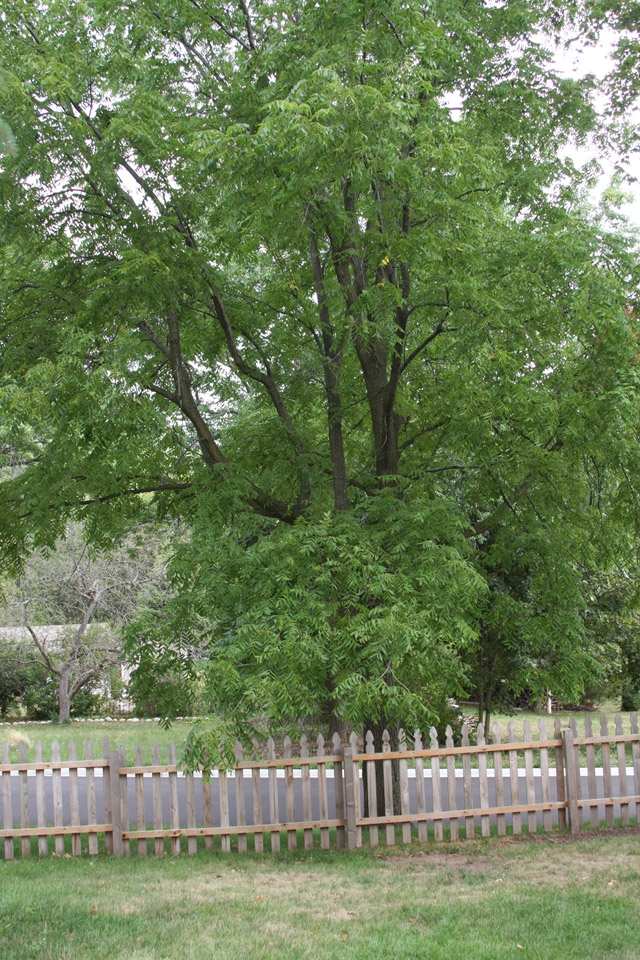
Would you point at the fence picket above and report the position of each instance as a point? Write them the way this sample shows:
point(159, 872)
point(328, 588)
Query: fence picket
point(140, 815)
point(532, 820)
point(575, 779)
point(436, 787)
point(623, 790)
point(635, 755)
point(421, 800)
point(404, 789)
point(207, 810)
point(292, 840)
point(387, 774)
point(107, 793)
point(76, 848)
point(92, 839)
point(174, 814)
point(41, 810)
point(466, 779)
point(156, 790)
point(561, 793)
point(353, 741)
point(606, 772)
point(305, 776)
point(56, 783)
point(451, 785)
point(241, 816)
point(484, 785)
point(124, 801)
point(223, 791)
point(192, 842)
point(371, 789)
point(24, 800)
point(338, 788)
point(7, 813)
point(322, 791)
point(591, 773)
point(514, 781)
point(498, 781)
point(544, 776)
point(273, 795)
point(258, 838)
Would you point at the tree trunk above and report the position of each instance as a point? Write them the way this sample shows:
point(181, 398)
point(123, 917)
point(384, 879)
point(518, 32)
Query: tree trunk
point(64, 699)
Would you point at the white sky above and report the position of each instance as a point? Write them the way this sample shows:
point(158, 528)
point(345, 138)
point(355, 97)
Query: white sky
point(597, 60)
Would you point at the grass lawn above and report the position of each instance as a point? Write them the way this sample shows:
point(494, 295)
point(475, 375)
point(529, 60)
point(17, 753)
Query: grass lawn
point(120, 733)
point(545, 899)
point(128, 734)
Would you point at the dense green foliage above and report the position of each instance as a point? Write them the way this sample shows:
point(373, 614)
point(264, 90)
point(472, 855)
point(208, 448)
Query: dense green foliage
point(323, 279)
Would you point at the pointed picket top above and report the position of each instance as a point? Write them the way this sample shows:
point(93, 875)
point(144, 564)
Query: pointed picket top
point(526, 731)
point(320, 743)
point(417, 740)
point(55, 749)
point(237, 751)
point(337, 743)
point(557, 729)
point(511, 730)
point(304, 746)
point(604, 726)
point(480, 734)
point(588, 727)
point(138, 756)
point(449, 735)
point(271, 749)
point(106, 746)
point(369, 742)
point(634, 722)
point(542, 729)
point(88, 749)
point(402, 742)
point(71, 750)
point(386, 741)
point(22, 752)
point(465, 735)
point(353, 741)
point(497, 733)
point(286, 744)
point(619, 727)
point(573, 727)
point(433, 738)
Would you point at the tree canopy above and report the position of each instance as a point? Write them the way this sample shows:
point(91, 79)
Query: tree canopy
point(323, 279)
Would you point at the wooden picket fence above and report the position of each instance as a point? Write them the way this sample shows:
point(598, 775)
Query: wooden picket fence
point(507, 782)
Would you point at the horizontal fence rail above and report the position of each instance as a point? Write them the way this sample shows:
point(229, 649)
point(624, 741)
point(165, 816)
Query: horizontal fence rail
point(337, 794)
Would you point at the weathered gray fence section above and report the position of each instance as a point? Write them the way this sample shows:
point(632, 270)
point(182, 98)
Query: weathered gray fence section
point(317, 795)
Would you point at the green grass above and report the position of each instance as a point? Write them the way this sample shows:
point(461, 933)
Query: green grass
point(128, 734)
point(541, 899)
point(120, 733)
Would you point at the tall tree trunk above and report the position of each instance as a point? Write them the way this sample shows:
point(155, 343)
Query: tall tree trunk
point(64, 698)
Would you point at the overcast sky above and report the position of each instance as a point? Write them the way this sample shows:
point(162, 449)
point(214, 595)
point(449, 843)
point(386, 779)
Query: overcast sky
point(597, 60)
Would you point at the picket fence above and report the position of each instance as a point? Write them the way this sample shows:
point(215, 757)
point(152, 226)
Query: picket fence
point(504, 782)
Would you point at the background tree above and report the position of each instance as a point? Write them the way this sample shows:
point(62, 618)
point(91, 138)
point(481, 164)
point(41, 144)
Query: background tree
point(323, 279)
point(95, 594)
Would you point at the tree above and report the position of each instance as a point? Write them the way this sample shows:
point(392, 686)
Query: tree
point(72, 605)
point(322, 278)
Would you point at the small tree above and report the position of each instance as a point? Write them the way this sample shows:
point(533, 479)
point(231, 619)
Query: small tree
point(88, 595)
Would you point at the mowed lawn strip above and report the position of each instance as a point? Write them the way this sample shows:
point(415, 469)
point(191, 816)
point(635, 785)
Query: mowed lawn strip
point(488, 900)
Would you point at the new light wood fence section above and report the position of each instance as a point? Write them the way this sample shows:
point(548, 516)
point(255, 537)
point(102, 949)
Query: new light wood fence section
point(315, 792)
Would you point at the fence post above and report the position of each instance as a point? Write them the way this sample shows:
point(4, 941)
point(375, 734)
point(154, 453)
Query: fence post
point(572, 768)
point(350, 790)
point(116, 802)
